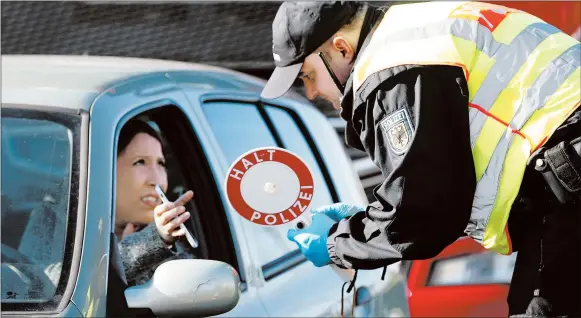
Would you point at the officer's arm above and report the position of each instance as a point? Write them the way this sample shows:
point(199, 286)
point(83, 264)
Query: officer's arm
point(425, 202)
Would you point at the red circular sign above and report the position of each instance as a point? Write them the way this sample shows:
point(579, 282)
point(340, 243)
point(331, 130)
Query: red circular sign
point(270, 154)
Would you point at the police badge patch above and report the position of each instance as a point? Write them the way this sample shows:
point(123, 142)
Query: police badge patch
point(398, 129)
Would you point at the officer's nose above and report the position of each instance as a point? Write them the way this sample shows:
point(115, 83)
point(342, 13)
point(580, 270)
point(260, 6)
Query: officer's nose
point(312, 93)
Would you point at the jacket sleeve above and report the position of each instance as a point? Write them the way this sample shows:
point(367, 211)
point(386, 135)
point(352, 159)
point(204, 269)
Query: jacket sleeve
point(425, 201)
point(141, 252)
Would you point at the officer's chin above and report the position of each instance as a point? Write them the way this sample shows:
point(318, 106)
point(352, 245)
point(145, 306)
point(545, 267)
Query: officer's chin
point(336, 105)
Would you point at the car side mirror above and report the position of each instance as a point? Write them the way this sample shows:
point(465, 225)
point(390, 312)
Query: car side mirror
point(188, 287)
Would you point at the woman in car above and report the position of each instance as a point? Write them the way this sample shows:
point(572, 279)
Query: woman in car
point(147, 230)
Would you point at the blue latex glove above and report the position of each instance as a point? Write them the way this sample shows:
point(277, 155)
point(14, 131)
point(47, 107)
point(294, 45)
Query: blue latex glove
point(338, 211)
point(312, 241)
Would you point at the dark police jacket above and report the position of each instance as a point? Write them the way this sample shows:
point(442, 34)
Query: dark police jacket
point(425, 202)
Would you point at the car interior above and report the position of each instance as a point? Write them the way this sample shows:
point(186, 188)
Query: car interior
point(38, 162)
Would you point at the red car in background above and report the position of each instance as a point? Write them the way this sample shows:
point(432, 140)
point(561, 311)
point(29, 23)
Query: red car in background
point(464, 280)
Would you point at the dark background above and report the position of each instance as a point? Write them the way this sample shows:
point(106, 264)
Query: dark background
point(235, 35)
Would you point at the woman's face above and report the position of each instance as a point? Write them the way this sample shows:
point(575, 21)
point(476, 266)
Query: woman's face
point(139, 168)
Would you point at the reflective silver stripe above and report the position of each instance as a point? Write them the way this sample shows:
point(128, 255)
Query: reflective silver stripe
point(535, 97)
point(486, 43)
point(547, 84)
point(509, 60)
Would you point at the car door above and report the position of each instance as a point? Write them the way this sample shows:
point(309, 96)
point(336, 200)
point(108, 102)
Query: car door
point(464, 280)
point(290, 285)
point(157, 98)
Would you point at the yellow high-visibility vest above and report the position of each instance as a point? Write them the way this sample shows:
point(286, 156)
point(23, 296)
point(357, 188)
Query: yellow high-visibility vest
point(524, 80)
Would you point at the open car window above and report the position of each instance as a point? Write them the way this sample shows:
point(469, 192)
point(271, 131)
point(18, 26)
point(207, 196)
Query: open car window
point(188, 169)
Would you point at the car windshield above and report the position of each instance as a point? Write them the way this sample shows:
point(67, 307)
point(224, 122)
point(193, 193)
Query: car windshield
point(36, 181)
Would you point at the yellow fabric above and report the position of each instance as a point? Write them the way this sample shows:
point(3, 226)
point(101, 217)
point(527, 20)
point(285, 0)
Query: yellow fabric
point(560, 106)
point(444, 48)
point(541, 125)
point(512, 25)
point(511, 97)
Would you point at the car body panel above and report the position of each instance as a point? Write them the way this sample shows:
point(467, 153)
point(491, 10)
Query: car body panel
point(107, 115)
point(111, 90)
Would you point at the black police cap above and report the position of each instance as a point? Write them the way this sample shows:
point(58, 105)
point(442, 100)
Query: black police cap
point(298, 29)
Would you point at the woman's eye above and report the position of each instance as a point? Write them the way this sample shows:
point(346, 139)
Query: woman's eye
point(161, 163)
point(139, 162)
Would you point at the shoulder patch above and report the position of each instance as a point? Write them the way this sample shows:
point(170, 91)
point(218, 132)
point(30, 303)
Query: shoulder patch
point(398, 129)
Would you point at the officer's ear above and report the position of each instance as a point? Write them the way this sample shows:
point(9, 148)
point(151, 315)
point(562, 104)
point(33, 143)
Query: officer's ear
point(341, 45)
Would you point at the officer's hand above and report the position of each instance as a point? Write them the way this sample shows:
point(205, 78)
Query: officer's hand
point(312, 241)
point(338, 211)
point(169, 216)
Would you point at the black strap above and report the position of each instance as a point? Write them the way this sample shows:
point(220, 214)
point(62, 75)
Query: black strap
point(383, 274)
point(372, 16)
point(352, 284)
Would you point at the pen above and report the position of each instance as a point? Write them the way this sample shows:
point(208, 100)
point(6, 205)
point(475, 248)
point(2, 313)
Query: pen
point(193, 242)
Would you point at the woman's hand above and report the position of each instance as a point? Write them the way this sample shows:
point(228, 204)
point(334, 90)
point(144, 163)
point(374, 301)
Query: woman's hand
point(169, 216)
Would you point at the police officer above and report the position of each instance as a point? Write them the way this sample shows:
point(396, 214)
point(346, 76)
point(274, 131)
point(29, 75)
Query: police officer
point(471, 111)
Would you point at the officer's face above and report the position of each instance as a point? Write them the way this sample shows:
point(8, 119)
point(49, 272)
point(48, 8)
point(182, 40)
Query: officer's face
point(316, 77)
point(318, 82)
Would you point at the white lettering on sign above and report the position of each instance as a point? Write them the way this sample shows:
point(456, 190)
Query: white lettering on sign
point(257, 159)
point(246, 163)
point(271, 152)
point(237, 174)
point(305, 196)
point(270, 219)
point(255, 216)
point(300, 205)
point(306, 187)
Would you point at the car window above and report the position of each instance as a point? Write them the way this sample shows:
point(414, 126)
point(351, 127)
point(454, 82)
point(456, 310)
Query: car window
point(36, 181)
point(238, 128)
point(295, 141)
point(241, 127)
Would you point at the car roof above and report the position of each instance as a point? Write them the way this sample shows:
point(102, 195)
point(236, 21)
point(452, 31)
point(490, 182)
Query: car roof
point(73, 81)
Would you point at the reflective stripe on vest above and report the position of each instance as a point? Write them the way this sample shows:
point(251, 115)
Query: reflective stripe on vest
point(523, 78)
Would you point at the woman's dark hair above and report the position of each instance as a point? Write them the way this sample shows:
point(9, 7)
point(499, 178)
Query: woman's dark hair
point(130, 130)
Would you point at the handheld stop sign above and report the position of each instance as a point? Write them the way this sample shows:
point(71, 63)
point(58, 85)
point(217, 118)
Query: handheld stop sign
point(272, 186)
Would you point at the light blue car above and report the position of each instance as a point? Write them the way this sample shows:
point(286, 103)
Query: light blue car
point(61, 116)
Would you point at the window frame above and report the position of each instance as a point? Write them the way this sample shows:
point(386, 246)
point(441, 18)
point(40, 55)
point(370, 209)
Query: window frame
point(77, 121)
point(291, 259)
